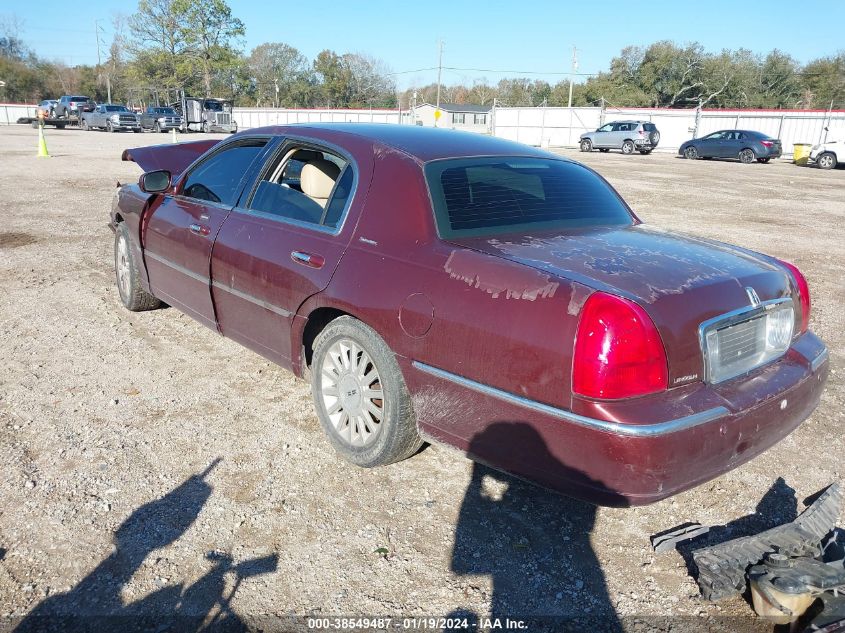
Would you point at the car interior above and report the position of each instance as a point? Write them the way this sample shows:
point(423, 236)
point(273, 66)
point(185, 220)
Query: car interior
point(302, 185)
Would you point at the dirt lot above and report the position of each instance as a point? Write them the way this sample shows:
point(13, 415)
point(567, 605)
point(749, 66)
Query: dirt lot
point(108, 420)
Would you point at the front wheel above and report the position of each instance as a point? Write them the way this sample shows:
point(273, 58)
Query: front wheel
point(132, 294)
point(628, 147)
point(85, 125)
point(205, 127)
point(109, 127)
point(691, 153)
point(360, 395)
point(586, 145)
point(747, 156)
point(827, 160)
point(156, 127)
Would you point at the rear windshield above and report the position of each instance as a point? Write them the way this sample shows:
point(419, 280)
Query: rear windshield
point(649, 127)
point(116, 108)
point(476, 197)
point(79, 99)
point(163, 110)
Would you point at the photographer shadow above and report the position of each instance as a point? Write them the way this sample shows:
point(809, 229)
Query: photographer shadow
point(95, 603)
point(534, 544)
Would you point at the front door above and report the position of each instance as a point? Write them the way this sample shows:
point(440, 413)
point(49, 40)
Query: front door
point(181, 230)
point(280, 247)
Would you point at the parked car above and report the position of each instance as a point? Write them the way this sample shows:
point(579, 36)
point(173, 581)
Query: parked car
point(111, 117)
point(444, 285)
point(160, 119)
point(828, 155)
point(744, 145)
point(46, 108)
point(68, 106)
point(629, 136)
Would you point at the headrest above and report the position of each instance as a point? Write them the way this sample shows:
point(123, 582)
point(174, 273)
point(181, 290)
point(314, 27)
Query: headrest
point(317, 179)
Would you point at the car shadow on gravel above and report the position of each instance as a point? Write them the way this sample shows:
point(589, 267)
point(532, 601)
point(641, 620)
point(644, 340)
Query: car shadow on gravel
point(533, 543)
point(95, 604)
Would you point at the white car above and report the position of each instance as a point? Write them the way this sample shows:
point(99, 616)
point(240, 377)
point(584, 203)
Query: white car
point(828, 155)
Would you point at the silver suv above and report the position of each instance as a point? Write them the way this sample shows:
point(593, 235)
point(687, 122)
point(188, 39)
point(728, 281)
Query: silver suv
point(629, 136)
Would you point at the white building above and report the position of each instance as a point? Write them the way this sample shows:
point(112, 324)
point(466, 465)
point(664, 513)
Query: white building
point(454, 116)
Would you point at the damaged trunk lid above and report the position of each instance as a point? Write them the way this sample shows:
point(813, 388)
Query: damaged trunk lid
point(175, 158)
point(681, 281)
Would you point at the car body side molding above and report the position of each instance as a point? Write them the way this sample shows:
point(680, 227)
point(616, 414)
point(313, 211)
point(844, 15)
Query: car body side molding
point(628, 430)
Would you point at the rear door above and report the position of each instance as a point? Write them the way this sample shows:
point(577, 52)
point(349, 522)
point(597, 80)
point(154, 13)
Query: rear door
point(181, 230)
point(279, 247)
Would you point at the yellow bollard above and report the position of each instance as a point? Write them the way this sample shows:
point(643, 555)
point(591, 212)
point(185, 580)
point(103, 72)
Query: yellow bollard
point(42, 143)
point(175, 140)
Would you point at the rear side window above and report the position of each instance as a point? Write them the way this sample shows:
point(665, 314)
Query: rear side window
point(491, 196)
point(218, 178)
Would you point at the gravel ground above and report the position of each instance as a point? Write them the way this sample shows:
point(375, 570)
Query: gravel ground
point(148, 466)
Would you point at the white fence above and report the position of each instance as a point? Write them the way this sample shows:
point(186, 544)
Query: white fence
point(562, 127)
point(259, 117)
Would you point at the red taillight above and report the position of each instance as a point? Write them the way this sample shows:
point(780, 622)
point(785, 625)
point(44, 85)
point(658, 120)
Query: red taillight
point(618, 351)
point(767, 143)
point(803, 293)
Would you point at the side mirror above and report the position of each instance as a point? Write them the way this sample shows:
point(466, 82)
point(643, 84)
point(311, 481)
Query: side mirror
point(155, 181)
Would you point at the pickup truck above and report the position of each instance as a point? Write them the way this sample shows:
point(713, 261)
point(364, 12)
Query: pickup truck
point(111, 117)
point(160, 119)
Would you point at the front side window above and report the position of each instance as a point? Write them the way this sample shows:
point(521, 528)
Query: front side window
point(476, 197)
point(218, 178)
point(306, 185)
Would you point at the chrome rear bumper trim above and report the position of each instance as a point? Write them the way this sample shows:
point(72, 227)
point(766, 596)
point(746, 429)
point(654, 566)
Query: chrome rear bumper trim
point(629, 430)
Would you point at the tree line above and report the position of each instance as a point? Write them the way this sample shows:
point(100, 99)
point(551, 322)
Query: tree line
point(197, 46)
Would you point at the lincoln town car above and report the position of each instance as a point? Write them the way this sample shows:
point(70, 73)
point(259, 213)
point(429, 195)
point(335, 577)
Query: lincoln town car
point(435, 286)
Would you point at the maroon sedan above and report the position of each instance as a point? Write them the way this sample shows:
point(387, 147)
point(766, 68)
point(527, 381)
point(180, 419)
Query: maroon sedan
point(438, 285)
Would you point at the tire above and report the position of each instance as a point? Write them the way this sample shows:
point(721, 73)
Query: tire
point(362, 439)
point(691, 153)
point(628, 147)
point(586, 145)
point(763, 160)
point(156, 127)
point(645, 152)
point(826, 160)
point(747, 156)
point(137, 130)
point(654, 138)
point(205, 127)
point(109, 127)
point(132, 295)
point(85, 125)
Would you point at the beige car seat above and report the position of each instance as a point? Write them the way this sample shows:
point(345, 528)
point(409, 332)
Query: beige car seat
point(317, 180)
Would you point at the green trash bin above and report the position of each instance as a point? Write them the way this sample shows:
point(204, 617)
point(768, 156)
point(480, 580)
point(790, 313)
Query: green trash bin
point(801, 153)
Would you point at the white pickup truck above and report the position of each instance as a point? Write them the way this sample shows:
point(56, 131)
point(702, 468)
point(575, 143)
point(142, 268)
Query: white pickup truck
point(111, 117)
point(828, 155)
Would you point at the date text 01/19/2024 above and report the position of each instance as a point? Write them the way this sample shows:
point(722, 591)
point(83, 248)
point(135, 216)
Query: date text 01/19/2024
point(415, 624)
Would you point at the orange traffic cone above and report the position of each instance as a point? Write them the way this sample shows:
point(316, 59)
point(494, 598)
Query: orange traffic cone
point(42, 143)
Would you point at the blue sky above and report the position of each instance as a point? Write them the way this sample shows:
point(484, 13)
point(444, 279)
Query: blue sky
point(535, 36)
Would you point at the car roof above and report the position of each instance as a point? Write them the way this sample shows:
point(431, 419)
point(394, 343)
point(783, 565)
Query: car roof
point(422, 143)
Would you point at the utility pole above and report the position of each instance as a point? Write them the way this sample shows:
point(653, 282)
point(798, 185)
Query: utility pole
point(97, 29)
point(439, 73)
point(572, 76)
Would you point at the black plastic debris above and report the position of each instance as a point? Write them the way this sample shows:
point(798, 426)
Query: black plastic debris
point(665, 541)
point(722, 568)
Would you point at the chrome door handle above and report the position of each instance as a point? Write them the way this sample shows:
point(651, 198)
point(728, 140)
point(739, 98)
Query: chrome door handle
point(200, 229)
point(308, 259)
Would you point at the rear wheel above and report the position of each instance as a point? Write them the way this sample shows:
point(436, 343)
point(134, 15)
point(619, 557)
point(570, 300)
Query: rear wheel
point(763, 160)
point(827, 160)
point(132, 294)
point(360, 395)
point(85, 125)
point(691, 153)
point(645, 151)
point(628, 147)
point(586, 145)
point(747, 156)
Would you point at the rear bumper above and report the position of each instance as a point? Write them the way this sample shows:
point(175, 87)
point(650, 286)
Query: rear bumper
point(623, 463)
